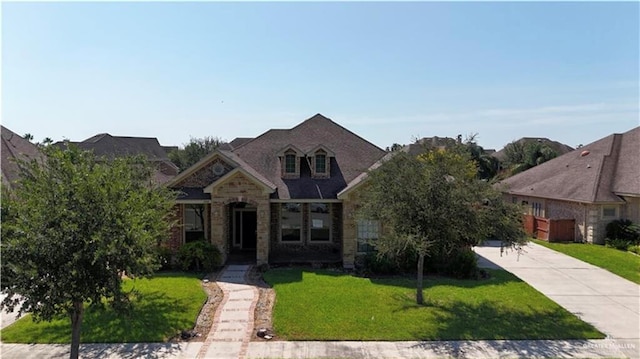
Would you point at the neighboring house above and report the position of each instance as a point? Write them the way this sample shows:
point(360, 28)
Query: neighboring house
point(15, 147)
point(593, 185)
point(278, 195)
point(108, 146)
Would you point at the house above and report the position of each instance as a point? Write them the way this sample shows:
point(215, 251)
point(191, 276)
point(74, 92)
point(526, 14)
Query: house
point(278, 196)
point(15, 147)
point(108, 146)
point(592, 186)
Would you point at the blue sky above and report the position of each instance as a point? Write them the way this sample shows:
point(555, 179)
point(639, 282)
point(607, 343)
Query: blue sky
point(390, 72)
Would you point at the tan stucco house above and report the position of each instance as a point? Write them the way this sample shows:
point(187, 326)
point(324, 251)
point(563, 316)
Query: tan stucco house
point(592, 185)
point(285, 196)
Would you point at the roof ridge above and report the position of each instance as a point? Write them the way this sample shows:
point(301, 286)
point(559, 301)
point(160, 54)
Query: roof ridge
point(342, 127)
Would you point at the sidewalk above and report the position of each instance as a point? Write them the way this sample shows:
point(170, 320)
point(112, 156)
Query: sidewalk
point(482, 349)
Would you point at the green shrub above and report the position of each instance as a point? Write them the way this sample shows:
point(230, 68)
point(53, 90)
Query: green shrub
point(618, 243)
point(198, 256)
point(623, 229)
point(165, 257)
point(462, 264)
point(635, 249)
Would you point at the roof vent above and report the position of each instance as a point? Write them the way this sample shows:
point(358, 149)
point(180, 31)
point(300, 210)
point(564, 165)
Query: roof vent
point(584, 153)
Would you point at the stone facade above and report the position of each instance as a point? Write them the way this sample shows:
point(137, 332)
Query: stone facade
point(239, 188)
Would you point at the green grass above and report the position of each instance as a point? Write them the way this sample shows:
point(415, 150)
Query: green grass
point(624, 264)
point(166, 304)
point(323, 305)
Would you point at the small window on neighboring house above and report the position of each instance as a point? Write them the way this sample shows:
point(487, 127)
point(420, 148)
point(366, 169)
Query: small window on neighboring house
point(514, 200)
point(609, 212)
point(290, 163)
point(368, 232)
point(321, 163)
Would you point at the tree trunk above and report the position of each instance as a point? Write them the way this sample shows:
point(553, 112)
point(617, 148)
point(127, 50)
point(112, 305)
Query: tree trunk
point(76, 323)
point(419, 298)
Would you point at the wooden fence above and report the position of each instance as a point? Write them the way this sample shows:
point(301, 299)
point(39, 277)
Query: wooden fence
point(551, 230)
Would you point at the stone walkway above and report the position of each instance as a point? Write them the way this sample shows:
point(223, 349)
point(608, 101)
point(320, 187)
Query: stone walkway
point(233, 322)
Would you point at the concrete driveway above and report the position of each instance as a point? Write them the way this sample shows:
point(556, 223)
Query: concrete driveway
point(607, 301)
point(7, 319)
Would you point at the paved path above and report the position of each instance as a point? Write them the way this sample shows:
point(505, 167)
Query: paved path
point(233, 322)
point(607, 301)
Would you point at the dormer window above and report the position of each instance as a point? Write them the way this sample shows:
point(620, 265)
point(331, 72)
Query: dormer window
point(321, 162)
point(290, 163)
point(319, 159)
point(289, 158)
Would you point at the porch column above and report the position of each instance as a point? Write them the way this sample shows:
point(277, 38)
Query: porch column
point(218, 237)
point(262, 235)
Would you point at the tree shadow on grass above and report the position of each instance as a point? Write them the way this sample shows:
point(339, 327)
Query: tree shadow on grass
point(154, 317)
point(491, 320)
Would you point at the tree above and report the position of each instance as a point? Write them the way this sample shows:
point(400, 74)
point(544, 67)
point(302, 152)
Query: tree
point(434, 202)
point(395, 147)
point(72, 227)
point(521, 156)
point(487, 164)
point(28, 137)
point(194, 151)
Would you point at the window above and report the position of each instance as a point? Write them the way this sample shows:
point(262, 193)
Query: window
point(609, 212)
point(290, 163)
point(536, 209)
point(194, 216)
point(320, 222)
point(290, 222)
point(321, 162)
point(368, 231)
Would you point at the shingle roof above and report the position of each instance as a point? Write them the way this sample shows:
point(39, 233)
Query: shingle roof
point(106, 145)
point(353, 155)
point(594, 173)
point(15, 147)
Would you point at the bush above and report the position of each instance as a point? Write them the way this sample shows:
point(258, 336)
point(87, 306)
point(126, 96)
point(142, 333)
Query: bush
point(617, 243)
point(198, 256)
point(635, 249)
point(463, 264)
point(623, 229)
point(165, 258)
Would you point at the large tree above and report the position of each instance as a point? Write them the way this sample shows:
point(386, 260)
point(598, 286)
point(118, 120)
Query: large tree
point(72, 227)
point(435, 202)
point(194, 151)
point(520, 156)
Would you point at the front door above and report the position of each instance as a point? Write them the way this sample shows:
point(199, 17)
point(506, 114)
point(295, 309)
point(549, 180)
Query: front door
point(244, 228)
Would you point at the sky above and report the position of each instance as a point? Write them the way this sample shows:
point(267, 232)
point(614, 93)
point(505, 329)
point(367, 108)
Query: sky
point(389, 71)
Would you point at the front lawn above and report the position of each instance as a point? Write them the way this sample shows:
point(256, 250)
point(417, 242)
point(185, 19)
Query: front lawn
point(624, 264)
point(165, 305)
point(324, 305)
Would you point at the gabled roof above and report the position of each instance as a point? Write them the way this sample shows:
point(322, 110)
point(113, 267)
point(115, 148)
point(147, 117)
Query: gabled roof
point(110, 146)
point(230, 158)
point(15, 147)
point(353, 156)
point(595, 173)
